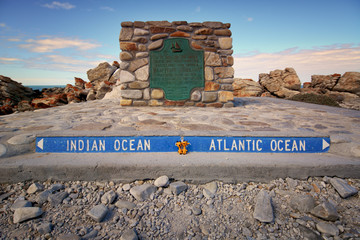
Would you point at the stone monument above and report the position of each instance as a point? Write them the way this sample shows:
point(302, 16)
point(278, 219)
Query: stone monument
point(176, 64)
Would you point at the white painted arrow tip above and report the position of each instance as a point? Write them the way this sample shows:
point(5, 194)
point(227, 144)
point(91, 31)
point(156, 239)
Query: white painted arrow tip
point(325, 144)
point(40, 144)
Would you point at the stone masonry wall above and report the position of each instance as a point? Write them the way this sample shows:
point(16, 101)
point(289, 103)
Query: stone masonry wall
point(137, 39)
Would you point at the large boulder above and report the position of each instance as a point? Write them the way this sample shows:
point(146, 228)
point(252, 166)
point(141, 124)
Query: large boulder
point(14, 90)
point(281, 83)
point(103, 78)
point(246, 88)
point(101, 73)
point(324, 81)
point(349, 82)
point(12, 93)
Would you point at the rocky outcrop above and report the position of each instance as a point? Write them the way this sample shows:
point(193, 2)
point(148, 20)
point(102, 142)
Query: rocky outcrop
point(349, 82)
point(281, 83)
point(246, 88)
point(102, 79)
point(12, 93)
point(345, 89)
point(324, 81)
point(15, 97)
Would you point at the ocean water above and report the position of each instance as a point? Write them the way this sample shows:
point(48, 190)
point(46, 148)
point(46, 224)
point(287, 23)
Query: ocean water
point(41, 87)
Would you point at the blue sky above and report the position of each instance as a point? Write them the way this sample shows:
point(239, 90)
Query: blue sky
point(51, 42)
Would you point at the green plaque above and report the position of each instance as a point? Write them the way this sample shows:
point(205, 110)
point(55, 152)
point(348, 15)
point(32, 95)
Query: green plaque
point(177, 69)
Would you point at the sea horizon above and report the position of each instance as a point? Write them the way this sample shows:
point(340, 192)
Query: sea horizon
point(41, 87)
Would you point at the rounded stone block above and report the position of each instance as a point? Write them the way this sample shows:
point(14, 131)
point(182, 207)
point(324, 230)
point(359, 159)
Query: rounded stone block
point(157, 94)
point(131, 94)
point(138, 85)
point(222, 32)
point(126, 34)
point(225, 43)
point(128, 46)
point(140, 32)
point(125, 56)
point(212, 59)
point(209, 74)
point(180, 34)
point(142, 74)
point(125, 102)
point(226, 96)
point(196, 96)
point(204, 31)
point(155, 45)
point(154, 102)
point(209, 97)
point(126, 76)
point(224, 72)
point(158, 36)
point(211, 86)
point(184, 28)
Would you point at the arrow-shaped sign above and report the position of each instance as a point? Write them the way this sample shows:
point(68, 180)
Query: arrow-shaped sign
point(40, 144)
point(255, 144)
point(325, 144)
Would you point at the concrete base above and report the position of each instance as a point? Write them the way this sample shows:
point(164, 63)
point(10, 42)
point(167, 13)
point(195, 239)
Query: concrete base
point(251, 117)
point(194, 167)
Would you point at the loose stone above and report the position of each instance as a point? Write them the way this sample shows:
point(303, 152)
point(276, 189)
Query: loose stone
point(129, 235)
point(162, 181)
point(26, 213)
point(196, 210)
point(126, 187)
point(90, 235)
point(178, 187)
point(343, 188)
point(56, 187)
point(57, 198)
point(263, 208)
point(143, 192)
point(327, 228)
point(302, 203)
point(108, 197)
point(98, 212)
point(44, 228)
point(326, 211)
point(43, 196)
point(35, 187)
point(125, 204)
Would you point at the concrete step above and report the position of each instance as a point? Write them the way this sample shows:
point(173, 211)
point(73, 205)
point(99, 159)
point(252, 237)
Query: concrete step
point(195, 167)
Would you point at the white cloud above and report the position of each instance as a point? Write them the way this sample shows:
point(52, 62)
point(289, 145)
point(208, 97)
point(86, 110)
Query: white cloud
point(250, 19)
point(198, 9)
point(7, 60)
point(110, 9)
point(75, 64)
point(53, 43)
point(59, 5)
point(306, 62)
point(14, 40)
point(2, 25)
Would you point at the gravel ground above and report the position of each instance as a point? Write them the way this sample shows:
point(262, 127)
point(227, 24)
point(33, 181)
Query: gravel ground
point(169, 209)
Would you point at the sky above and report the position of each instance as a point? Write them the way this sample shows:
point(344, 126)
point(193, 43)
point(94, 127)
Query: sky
point(46, 42)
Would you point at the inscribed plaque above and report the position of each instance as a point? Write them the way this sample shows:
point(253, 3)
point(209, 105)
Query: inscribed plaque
point(177, 69)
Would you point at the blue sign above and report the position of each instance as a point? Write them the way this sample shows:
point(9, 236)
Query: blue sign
point(107, 144)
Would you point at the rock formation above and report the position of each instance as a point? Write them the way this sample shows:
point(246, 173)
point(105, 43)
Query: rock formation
point(11, 94)
point(281, 83)
point(246, 88)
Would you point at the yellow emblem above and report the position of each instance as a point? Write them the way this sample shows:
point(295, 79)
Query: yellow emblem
point(182, 146)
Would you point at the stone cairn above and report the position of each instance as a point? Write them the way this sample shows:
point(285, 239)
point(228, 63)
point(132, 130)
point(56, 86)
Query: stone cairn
point(137, 39)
